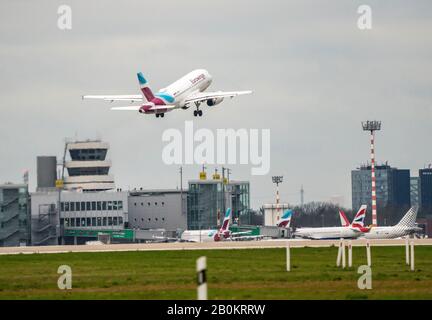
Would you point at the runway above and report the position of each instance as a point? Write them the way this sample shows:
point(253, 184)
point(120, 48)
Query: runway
point(224, 245)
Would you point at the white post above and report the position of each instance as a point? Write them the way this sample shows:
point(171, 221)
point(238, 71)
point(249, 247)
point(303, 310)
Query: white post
point(201, 267)
point(412, 255)
point(339, 256)
point(407, 257)
point(368, 253)
point(288, 257)
point(343, 255)
point(350, 254)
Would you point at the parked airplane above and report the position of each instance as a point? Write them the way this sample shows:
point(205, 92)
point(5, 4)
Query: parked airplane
point(344, 220)
point(215, 235)
point(285, 220)
point(353, 230)
point(185, 92)
point(406, 226)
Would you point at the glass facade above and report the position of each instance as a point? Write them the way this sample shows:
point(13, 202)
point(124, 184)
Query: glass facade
point(425, 176)
point(80, 209)
point(88, 154)
point(14, 215)
point(392, 187)
point(206, 200)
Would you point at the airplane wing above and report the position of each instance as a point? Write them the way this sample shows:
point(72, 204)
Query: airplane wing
point(203, 96)
point(136, 108)
point(121, 97)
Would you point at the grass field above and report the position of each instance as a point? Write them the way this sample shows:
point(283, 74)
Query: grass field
point(232, 274)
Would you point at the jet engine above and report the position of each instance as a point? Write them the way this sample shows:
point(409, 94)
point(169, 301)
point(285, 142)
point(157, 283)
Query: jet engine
point(214, 101)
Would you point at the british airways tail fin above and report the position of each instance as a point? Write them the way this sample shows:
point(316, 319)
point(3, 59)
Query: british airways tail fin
point(344, 220)
point(360, 216)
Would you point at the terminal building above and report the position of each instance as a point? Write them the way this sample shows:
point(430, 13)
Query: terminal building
point(78, 207)
point(158, 209)
point(209, 199)
point(14, 215)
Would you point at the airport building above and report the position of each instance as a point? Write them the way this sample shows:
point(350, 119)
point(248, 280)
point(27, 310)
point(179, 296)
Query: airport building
point(393, 186)
point(425, 184)
point(88, 168)
point(80, 216)
point(209, 199)
point(273, 212)
point(158, 209)
point(415, 191)
point(14, 215)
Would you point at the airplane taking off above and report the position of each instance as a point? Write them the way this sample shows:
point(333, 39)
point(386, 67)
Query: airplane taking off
point(353, 230)
point(406, 226)
point(182, 94)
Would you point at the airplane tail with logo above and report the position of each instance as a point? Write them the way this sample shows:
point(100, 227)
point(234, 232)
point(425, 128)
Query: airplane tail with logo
point(145, 89)
point(358, 221)
point(344, 220)
point(285, 220)
point(409, 219)
point(226, 221)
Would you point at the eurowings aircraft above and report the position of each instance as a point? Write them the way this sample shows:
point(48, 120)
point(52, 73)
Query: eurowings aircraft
point(285, 220)
point(353, 230)
point(406, 226)
point(214, 235)
point(186, 92)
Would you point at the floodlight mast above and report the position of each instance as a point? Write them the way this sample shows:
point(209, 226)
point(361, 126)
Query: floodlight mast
point(372, 126)
point(277, 180)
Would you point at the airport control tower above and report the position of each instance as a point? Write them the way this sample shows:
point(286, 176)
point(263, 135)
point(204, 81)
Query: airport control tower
point(88, 169)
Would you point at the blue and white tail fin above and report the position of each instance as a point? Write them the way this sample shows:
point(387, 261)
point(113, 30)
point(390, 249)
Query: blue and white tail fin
point(285, 220)
point(145, 89)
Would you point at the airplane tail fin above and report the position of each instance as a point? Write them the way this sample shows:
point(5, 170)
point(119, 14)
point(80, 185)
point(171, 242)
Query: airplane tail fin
point(145, 89)
point(285, 220)
point(343, 219)
point(409, 219)
point(360, 216)
point(226, 221)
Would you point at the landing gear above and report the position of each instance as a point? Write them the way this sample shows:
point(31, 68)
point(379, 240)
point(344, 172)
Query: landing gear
point(160, 115)
point(198, 112)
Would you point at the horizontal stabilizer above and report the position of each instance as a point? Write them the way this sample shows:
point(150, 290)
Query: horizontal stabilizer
point(127, 108)
point(120, 97)
point(163, 107)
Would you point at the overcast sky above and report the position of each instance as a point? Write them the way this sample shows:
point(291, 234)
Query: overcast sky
point(314, 74)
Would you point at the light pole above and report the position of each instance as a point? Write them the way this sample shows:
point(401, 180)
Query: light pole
point(372, 126)
point(277, 180)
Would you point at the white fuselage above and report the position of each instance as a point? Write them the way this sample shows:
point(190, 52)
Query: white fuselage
point(193, 82)
point(389, 232)
point(327, 233)
point(199, 235)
